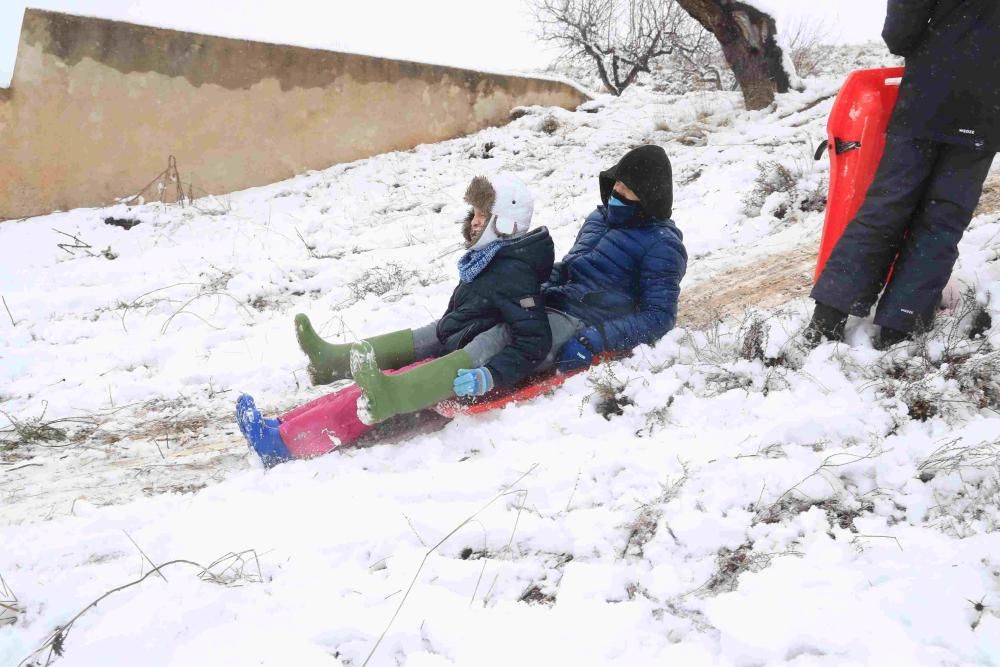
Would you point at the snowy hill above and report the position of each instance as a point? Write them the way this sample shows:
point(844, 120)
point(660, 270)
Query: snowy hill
point(745, 502)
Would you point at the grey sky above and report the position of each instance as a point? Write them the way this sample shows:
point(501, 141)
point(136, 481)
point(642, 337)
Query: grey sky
point(484, 34)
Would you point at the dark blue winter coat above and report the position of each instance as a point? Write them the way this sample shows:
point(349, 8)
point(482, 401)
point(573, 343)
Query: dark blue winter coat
point(507, 291)
point(624, 280)
point(951, 87)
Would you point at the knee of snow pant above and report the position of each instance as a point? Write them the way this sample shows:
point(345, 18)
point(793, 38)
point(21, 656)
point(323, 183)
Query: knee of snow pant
point(958, 176)
point(425, 342)
point(488, 344)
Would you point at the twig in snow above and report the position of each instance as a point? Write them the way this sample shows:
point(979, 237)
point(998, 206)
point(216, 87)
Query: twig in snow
point(55, 642)
point(857, 538)
point(422, 543)
point(508, 549)
point(187, 303)
point(423, 561)
point(77, 244)
point(12, 322)
point(9, 608)
point(136, 300)
point(148, 559)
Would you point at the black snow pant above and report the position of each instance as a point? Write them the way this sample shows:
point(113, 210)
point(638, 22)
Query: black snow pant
point(918, 206)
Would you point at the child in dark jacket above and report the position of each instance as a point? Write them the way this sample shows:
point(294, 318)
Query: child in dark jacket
point(494, 333)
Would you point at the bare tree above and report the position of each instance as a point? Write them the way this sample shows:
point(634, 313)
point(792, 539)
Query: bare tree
point(808, 42)
point(747, 37)
point(621, 38)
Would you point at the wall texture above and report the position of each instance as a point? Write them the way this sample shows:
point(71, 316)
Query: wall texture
point(96, 107)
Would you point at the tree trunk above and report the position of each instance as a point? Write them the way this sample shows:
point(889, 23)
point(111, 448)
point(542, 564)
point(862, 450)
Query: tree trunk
point(747, 38)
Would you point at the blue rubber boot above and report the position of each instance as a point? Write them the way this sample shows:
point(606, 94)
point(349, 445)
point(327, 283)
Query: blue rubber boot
point(261, 434)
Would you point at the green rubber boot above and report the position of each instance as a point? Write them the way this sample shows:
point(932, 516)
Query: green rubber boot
point(329, 362)
point(385, 396)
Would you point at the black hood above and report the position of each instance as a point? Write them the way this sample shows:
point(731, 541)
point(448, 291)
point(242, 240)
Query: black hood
point(646, 171)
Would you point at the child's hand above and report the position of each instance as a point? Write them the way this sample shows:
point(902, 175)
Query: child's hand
point(473, 381)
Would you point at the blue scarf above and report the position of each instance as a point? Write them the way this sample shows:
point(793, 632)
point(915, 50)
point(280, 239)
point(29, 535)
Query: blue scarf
point(473, 262)
point(622, 213)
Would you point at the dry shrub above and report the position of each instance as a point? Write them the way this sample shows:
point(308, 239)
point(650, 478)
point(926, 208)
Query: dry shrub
point(549, 125)
point(808, 44)
point(945, 371)
point(381, 280)
point(773, 177)
point(608, 395)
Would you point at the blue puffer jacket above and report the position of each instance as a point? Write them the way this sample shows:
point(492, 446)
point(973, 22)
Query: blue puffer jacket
point(624, 280)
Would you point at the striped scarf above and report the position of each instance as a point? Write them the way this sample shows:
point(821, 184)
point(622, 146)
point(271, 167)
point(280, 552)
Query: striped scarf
point(473, 262)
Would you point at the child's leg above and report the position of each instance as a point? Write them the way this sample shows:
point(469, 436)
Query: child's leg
point(329, 362)
point(425, 343)
point(489, 343)
point(388, 395)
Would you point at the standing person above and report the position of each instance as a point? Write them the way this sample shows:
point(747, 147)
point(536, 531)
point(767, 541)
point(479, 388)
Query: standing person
point(941, 140)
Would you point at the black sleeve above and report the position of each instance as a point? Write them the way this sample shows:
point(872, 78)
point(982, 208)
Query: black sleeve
point(556, 277)
point(905, 23)
point(521, 308)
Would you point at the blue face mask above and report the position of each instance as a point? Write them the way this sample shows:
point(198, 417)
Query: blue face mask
point(621, 212)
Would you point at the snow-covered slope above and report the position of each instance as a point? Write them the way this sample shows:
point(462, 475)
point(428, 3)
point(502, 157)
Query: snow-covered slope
point(753, 502)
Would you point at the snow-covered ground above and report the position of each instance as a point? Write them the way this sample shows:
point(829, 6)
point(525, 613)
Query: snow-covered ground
point(753, 503)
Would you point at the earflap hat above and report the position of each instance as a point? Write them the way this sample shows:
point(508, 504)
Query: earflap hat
point(507, 203)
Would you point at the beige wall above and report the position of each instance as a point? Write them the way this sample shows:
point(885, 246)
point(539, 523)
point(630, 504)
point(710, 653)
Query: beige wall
point(96, 107)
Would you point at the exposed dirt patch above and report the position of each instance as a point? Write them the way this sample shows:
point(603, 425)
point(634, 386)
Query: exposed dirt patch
point(764, 283)
point(990, 201)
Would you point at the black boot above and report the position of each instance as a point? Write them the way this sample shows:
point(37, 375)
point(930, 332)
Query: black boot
point(888, 337)
point(981, 323)
point(827, 322)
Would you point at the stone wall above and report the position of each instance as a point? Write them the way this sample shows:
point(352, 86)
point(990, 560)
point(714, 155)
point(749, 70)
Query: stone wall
point(96, 107)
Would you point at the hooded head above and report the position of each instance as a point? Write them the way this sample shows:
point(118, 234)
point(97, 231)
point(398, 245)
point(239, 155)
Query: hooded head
point(646, 171)
point(507, 204)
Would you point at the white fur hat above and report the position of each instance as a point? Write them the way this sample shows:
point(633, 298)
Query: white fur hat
point(507, 201)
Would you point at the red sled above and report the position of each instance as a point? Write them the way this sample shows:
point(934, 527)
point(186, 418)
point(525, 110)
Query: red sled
point(331, 421)
point(855, 141)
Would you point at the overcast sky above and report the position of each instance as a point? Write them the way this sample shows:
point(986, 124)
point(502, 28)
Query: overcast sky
point(483, 34)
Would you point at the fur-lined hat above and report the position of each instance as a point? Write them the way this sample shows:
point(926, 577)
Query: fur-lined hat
point(507, 203)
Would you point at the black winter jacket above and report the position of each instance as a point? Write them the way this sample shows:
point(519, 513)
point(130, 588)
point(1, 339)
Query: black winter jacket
point(951, 88)
point(507, 291)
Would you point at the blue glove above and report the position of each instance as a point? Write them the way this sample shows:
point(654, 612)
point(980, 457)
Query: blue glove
point(473, 381)
point(579, 351)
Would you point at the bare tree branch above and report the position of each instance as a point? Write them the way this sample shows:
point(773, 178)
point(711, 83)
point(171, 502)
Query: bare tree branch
point(619, 38)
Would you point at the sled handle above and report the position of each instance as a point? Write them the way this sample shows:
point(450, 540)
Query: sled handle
point(820, 150)
point(839, 145)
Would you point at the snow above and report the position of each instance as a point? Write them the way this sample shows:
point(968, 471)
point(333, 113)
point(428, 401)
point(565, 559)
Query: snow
point(784, 510)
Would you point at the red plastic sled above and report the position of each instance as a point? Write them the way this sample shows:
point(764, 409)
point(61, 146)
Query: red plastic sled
point(855, 141)
point(331, 421)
